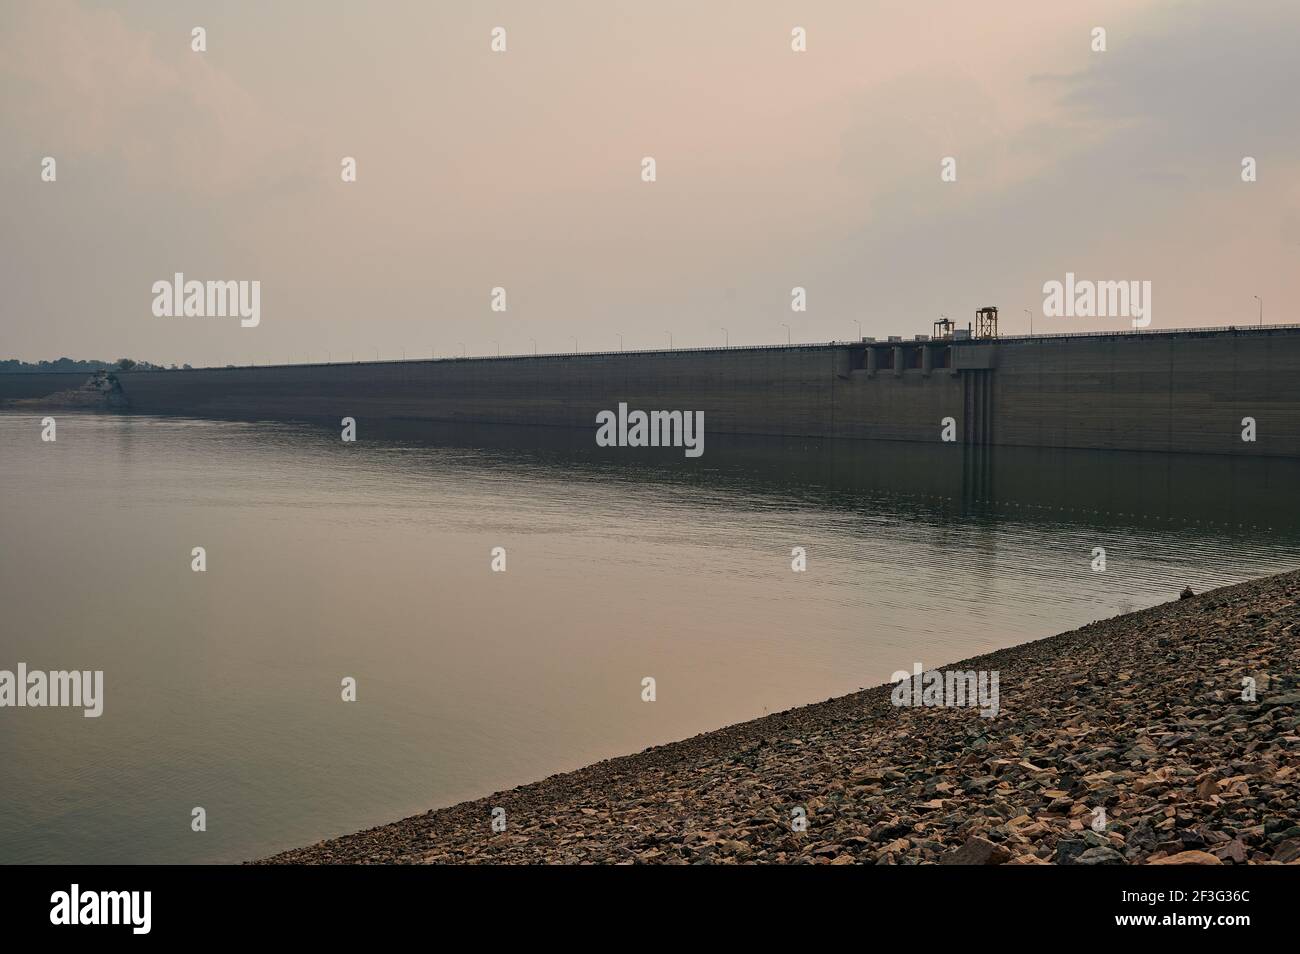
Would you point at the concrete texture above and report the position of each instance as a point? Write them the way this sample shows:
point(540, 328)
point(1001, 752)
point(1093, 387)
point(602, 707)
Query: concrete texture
point(1184, 391)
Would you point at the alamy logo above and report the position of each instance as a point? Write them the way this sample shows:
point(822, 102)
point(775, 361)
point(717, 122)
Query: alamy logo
point(1089, 299)
point(103, 907)
point(58, 688)
point(651, 429)
point(194, 299)
point(952, 688)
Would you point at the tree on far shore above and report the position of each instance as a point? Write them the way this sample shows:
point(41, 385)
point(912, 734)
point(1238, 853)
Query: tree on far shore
point(13, 365)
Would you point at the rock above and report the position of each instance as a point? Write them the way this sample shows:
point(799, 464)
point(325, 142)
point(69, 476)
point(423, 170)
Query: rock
point(1234, 851)
point(1186, 594)
point(1286, 699)
point(1287, 851)
point(1140, 753)
point(1067, 850)
point(980, 784)
point(1143, 836)
point(891, 830)
point(738, 848)
point(977, 851)
point(1100, 856)
point(1095, 839)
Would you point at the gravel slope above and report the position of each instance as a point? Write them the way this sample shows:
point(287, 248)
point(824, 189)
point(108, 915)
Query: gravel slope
point(1141, 715)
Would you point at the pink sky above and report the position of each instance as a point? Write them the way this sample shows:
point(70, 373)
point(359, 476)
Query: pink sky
point(775, 169)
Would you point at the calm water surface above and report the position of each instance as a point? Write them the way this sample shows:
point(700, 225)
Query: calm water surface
point(372, 560)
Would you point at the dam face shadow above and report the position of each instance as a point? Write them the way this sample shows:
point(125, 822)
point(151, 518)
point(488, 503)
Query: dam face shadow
point(934, 480)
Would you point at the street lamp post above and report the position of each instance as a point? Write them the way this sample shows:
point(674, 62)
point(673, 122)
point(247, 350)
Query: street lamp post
point(534, 341)
point(1261, 310)
point(787, 332)
point(670, 340)
point(727, 338)
point(620, 340)
point(859, 324)
point(1031, 321)
point(575, 343)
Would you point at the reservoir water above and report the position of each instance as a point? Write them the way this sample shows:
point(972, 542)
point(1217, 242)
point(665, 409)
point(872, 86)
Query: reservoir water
point(374, 561)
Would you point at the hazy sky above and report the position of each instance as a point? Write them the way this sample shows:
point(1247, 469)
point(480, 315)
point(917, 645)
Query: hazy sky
point(523, 169)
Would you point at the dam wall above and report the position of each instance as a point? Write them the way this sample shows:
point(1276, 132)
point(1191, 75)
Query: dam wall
point(1186, 391)
point(28, 385)
point(791, 391)
point(1177, 391)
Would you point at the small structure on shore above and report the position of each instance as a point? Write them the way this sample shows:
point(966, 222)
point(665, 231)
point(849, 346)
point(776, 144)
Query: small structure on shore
point(1186, 594)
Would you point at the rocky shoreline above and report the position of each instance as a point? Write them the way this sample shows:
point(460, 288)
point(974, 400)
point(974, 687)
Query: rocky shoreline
point(1140, 716)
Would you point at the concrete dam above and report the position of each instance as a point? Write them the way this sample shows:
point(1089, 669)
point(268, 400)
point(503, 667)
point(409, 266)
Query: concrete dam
point(1185, 391)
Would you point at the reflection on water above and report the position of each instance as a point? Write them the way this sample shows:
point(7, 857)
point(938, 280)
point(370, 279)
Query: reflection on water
point(372, 560)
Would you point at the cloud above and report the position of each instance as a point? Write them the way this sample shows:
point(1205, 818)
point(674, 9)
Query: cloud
point(82, 84)
point(1194, 83)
